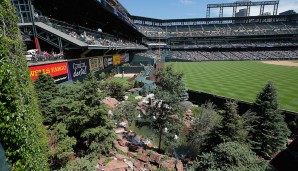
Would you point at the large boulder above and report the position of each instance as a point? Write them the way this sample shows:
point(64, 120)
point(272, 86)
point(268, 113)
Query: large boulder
point(143, 158)
point(116, 165)
point(132, 155)
point(155, 157)
point(139, 165)
point(120, 157)
point(168, 164)
point(117, 146)
point(179, 165)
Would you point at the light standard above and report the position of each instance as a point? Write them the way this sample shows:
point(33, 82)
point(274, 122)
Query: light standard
point(33, 26)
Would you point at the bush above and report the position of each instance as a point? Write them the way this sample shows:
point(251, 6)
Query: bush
point(22, 133)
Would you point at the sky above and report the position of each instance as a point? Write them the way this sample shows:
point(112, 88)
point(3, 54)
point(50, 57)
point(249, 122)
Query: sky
point(177, 9)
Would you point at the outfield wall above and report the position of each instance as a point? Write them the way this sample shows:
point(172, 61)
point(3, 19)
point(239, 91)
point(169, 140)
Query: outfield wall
point(200, 98)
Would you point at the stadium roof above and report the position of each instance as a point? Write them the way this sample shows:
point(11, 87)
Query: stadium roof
point(87, 13)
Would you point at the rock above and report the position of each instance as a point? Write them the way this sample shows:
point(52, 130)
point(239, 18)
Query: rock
point(123, 143)
point(130, 164)
point(132, 155)
point(119, 130)
point(143, 158)
point(141, 151)
point(116, 165)
point(168, 164)
point(117, 146)
point(119, 137)
point(133, 148)
point(121, 157)
point(101, 161)
point(155, 157)
point(179, 166)
point(123, 124)
point(138, 165)
point(151, 167)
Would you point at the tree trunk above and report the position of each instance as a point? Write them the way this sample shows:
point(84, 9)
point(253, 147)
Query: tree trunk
point(160, 135)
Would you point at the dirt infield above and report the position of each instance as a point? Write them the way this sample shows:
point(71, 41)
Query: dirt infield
point(282, 63)
point(125, 75)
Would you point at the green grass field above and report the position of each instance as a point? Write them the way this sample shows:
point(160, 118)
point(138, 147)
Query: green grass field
point(242, 80)
point(119, 79)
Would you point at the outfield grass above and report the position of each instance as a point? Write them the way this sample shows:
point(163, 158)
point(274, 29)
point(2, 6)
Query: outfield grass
point(242, 80)
point(120, 79)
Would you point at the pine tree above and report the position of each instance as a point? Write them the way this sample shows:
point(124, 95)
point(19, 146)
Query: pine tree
point(229, 129)
point(203, 125)
point(86, 117)
point(60, 146)
point(22, 133)
point(169, 80)
point(163, 114)
point(46, 91)
point(230, 156)
point(271, 132)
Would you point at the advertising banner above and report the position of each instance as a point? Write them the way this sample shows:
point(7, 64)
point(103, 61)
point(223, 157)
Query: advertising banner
point(58, 71)
point(108, 61)
point(94, 65)
point(116, 59)
point(100, 63)
point(78, 68)
point(122, 58)
point(127, 57)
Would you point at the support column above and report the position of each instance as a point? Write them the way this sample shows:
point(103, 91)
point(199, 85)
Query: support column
point(262, 10)
point(221, 12)
point(208, 12)
point(234, 10)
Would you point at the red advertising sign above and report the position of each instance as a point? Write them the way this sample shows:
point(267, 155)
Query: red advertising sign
point(55, 70)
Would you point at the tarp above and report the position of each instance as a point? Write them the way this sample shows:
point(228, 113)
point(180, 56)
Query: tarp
point(3, 163)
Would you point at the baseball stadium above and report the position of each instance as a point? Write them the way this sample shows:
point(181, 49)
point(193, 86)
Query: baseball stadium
point(116, 85)
point(232, 57)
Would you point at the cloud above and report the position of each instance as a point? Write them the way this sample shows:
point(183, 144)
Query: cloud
point(186, 2)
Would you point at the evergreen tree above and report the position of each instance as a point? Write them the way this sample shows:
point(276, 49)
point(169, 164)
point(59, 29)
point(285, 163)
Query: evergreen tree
point(60, 146)
point(126, 110)
point(229, 129)
point(46, 90)
point(203, 125)
point(114, 89)
point(163, 114)
point(169, 80)
point(22, 134)
point(271, 132)
point(86, 118)
point(230, 156)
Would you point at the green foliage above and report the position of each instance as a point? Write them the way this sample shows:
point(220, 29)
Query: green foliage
point(81, 164)
point(271, 132)
point(203, 125)
point(86, 118)
point(146, 132)
point(164, 112)
point(114, 89)
point(138, 84)
point(107, 161)
point(126, 110)
point(46, 90)
point(22, 133)
point(171, 81)
point(231, 156)
point(102, 76)
point(60, 146)
point(293, 126)
point(229, 129)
